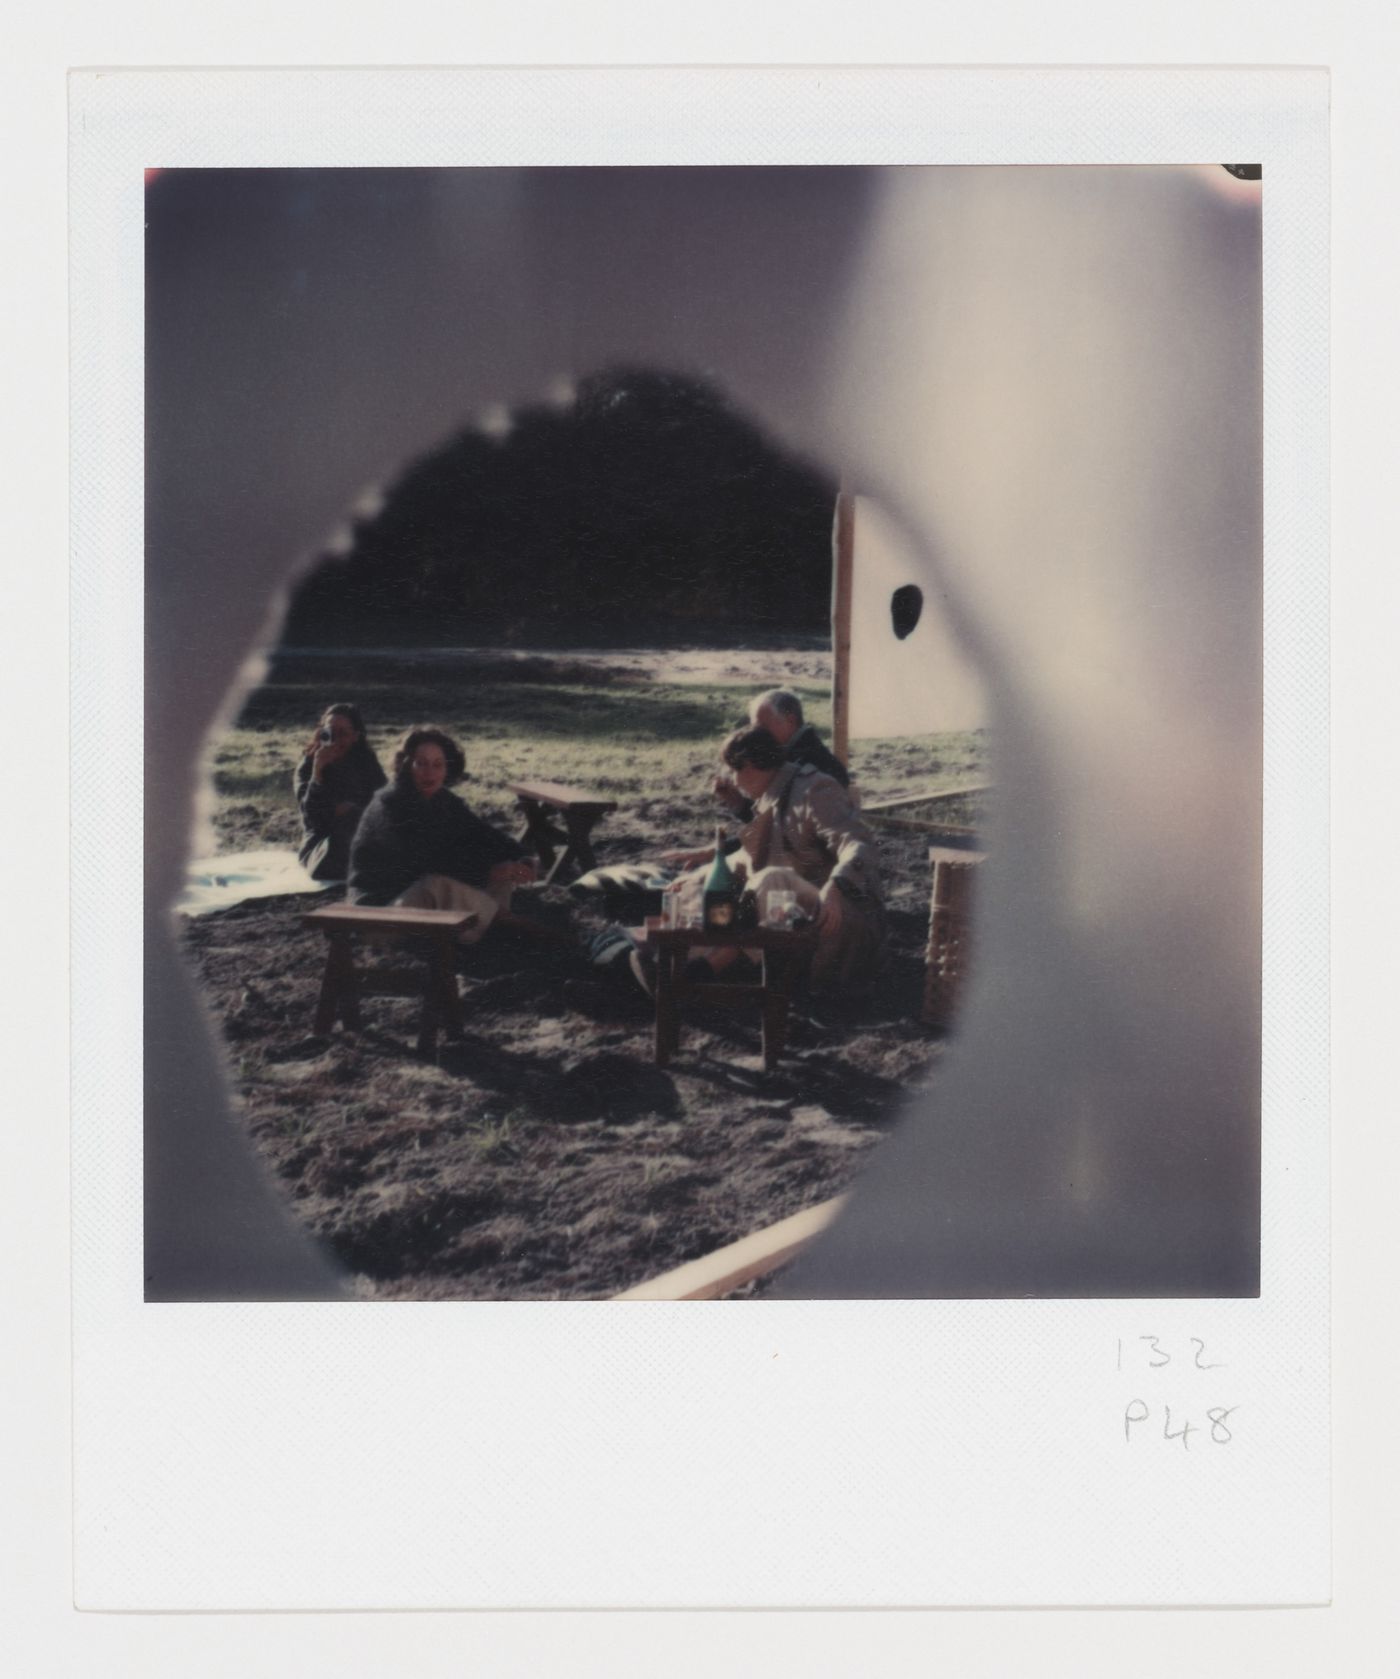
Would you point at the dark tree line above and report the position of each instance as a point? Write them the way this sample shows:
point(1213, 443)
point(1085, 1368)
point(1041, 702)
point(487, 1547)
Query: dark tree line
point(646, 508)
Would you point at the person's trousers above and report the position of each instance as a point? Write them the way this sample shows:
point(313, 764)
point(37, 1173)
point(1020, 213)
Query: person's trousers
point(441, 891)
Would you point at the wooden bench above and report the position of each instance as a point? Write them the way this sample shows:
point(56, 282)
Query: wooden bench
point(580, 811)
point(782, 953)
point(434, 980)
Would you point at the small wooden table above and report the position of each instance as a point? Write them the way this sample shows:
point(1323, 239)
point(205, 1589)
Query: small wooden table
point(782, 951)
point(581, 812)
point(343, 985)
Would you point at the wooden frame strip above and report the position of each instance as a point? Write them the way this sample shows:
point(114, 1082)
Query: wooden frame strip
point(843, 547)
point(731, 1267)
point(876, 807)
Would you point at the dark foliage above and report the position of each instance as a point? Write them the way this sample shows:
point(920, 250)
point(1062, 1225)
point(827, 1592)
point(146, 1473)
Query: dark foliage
point(647, 507)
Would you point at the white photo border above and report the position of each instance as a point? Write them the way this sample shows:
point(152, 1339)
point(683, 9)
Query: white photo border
point(764, 1454)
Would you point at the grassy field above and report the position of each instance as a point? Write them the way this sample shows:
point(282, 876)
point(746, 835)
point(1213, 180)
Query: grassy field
point(650, 744)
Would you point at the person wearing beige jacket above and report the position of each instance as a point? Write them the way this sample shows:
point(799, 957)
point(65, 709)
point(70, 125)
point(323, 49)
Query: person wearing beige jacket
point(806, 837)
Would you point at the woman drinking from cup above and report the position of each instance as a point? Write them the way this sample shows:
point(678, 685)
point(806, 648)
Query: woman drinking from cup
point(337, 777)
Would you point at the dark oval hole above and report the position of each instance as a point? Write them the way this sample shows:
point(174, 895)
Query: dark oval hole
point(906, 603)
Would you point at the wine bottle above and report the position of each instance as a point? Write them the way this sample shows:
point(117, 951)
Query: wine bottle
point(721, 889)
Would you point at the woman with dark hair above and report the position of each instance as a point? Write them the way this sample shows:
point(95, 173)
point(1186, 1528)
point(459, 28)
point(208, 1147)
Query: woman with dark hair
point(419, 845)
point(337, 777)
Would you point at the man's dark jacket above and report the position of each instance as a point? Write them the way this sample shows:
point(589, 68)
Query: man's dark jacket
point(806, 747)
point(403, 836)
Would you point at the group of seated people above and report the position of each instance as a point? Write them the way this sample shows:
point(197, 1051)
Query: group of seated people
point(407, 839)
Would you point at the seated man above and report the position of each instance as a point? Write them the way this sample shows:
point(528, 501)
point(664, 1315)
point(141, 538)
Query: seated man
point(804, 836)
point(779, 711)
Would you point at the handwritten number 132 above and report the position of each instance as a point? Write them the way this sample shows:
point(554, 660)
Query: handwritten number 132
point(1161, 1357)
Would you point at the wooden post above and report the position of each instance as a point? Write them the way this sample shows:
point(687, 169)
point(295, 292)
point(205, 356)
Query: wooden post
point(843, 537)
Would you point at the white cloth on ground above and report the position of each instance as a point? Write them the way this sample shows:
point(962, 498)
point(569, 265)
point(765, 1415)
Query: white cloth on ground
point(220, 882)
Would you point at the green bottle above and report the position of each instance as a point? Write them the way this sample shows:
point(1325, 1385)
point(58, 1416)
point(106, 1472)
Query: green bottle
point(721, 889)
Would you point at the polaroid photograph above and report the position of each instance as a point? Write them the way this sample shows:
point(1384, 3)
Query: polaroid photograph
point(690, 962)
point(733, 739)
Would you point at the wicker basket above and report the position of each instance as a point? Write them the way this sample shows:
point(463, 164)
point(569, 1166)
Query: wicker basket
point(950, 931)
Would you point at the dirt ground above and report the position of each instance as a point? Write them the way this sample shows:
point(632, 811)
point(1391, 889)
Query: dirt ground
point(545, 1156)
